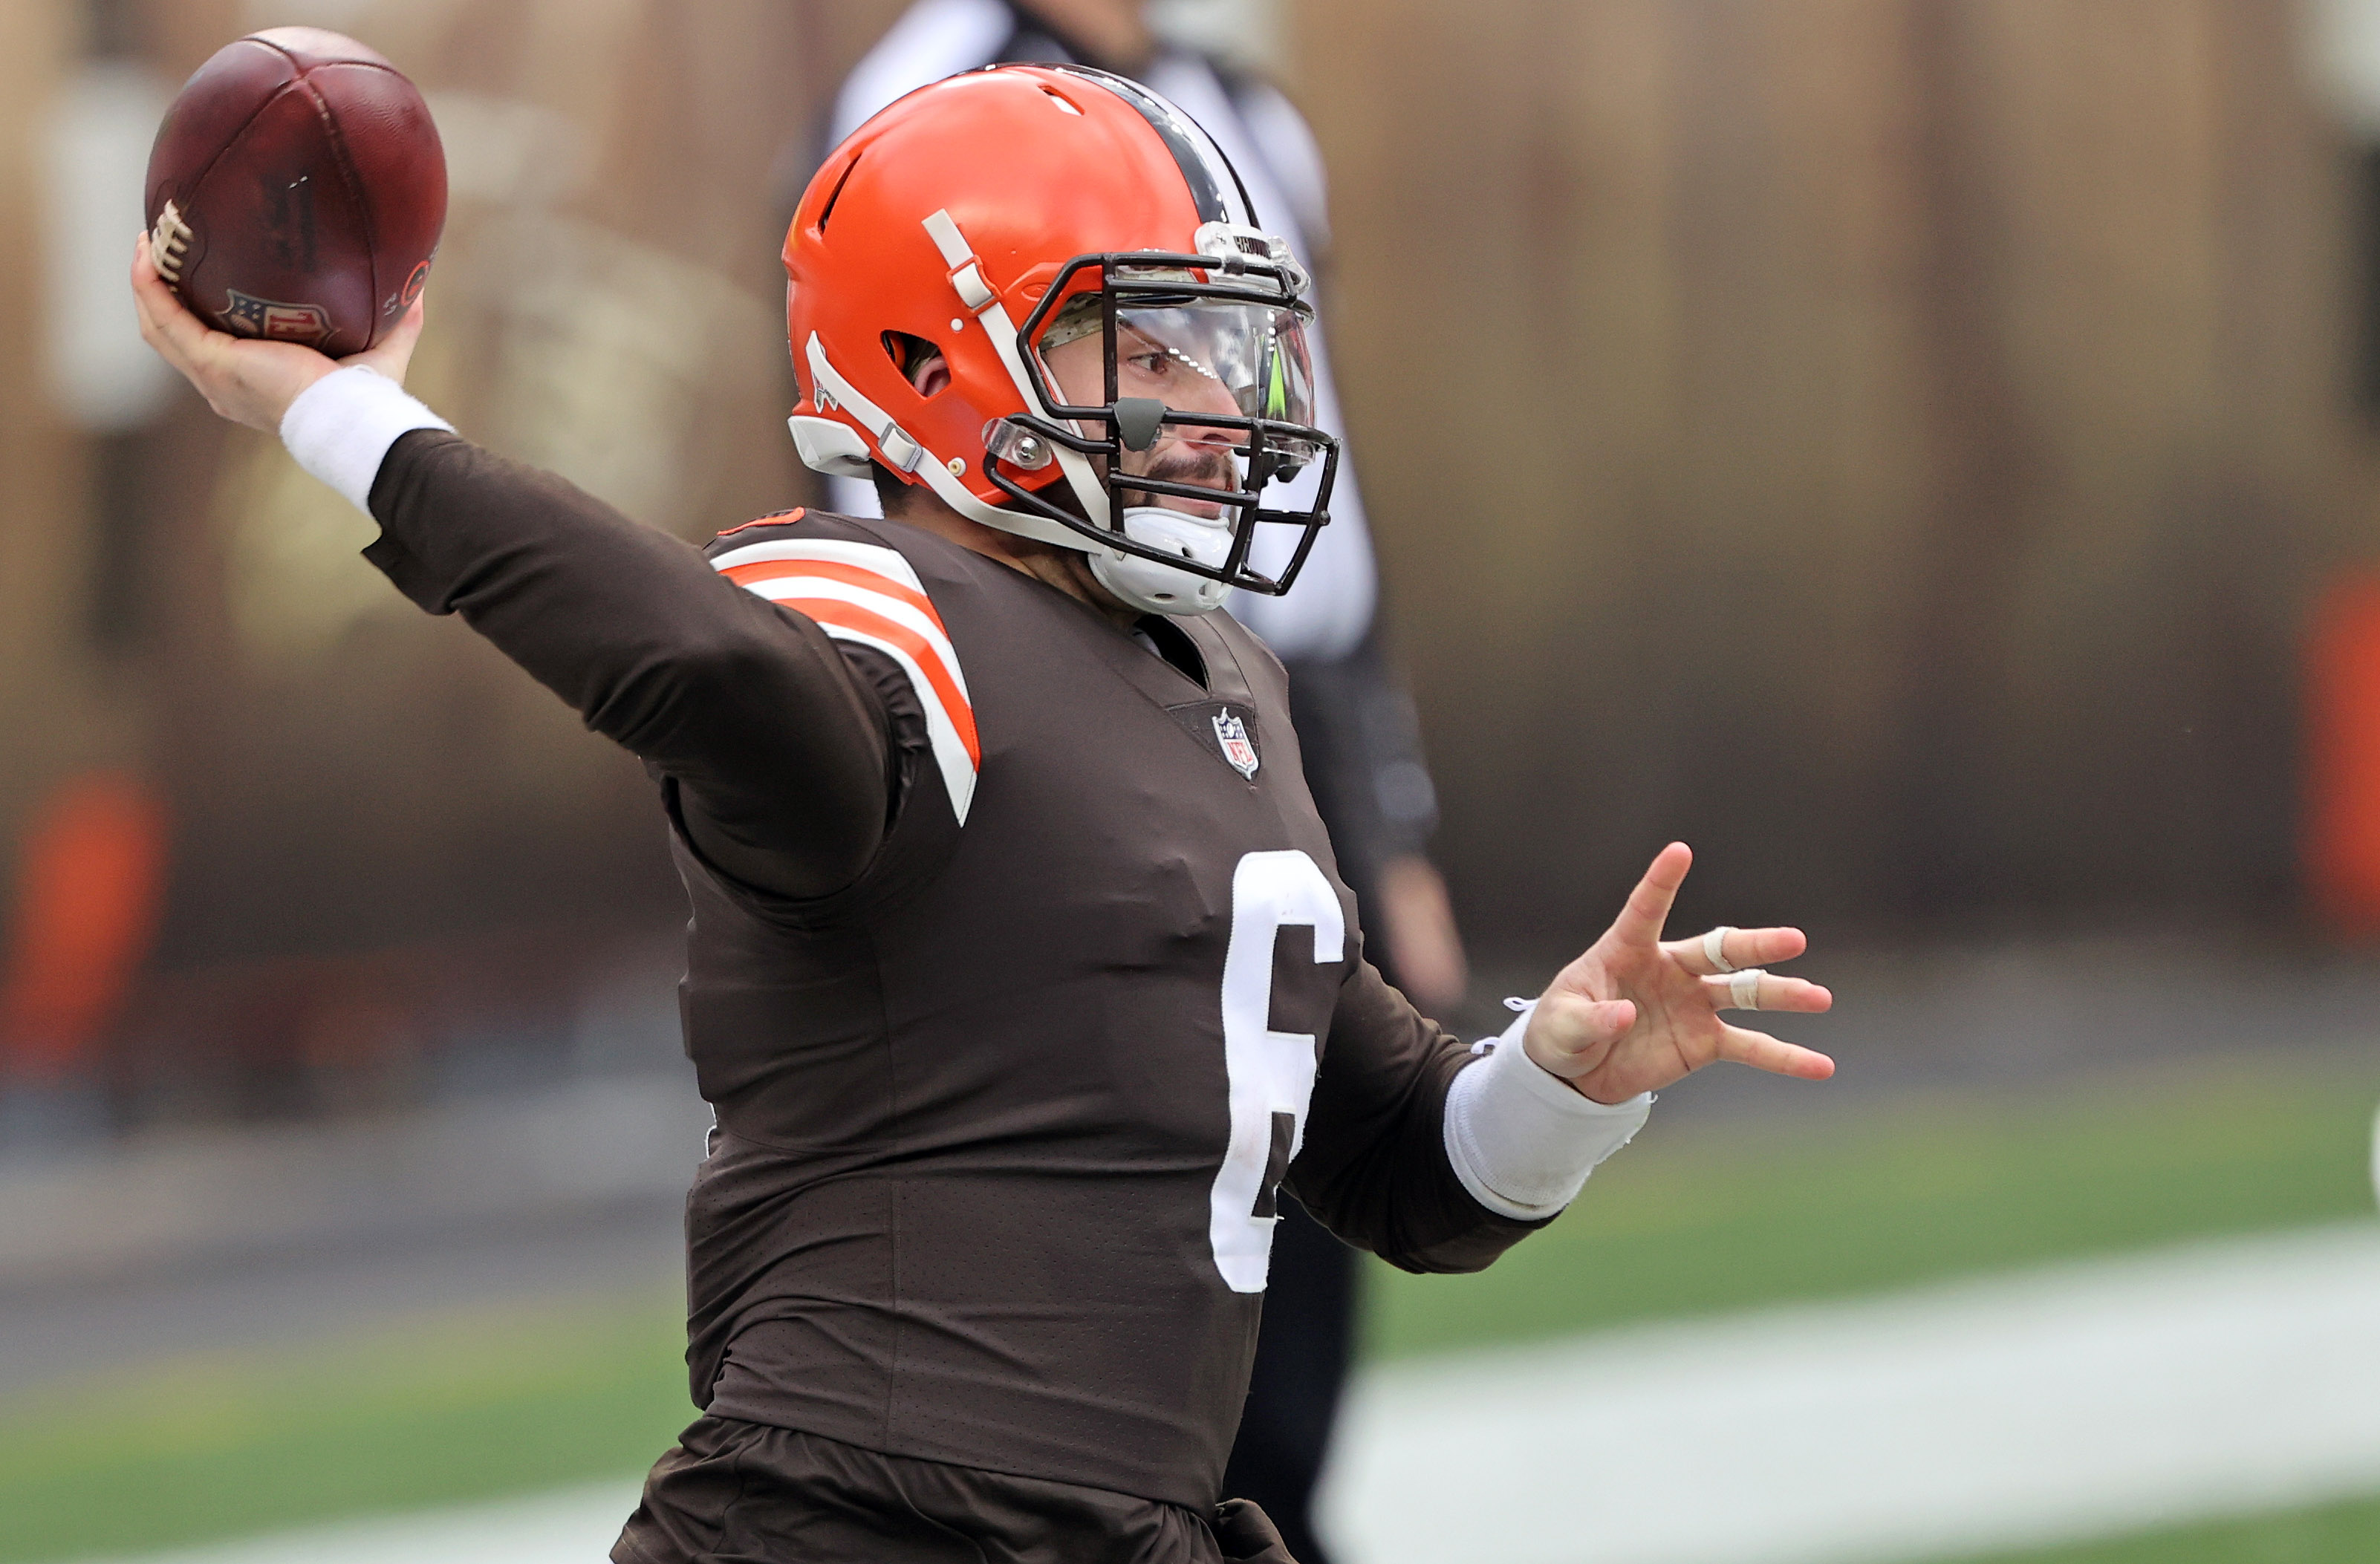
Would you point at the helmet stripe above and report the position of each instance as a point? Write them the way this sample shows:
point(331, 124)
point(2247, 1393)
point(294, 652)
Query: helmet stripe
point(1214, 184)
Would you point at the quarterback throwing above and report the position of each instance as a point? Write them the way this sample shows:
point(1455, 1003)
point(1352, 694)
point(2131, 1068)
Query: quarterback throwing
point(1020, 974)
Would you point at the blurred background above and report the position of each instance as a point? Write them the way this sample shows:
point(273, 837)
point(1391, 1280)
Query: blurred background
point(1923, 453)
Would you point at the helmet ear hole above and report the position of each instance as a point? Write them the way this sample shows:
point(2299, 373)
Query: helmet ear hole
point(920, 361)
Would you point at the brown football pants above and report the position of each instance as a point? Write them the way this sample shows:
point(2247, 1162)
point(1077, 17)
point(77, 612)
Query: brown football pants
point(744, 1492)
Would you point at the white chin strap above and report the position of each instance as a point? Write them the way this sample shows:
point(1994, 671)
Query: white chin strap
point(1145, 584)
point(1156, 587)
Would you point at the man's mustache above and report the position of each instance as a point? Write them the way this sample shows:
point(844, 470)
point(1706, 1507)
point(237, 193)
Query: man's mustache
point(1205, 467)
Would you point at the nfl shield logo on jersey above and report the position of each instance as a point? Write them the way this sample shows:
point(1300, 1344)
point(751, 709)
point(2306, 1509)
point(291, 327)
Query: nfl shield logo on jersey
point(1232, 735)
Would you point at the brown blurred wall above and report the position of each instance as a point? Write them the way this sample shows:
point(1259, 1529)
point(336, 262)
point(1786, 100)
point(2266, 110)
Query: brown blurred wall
point(1888, 442)
point(60, 709)
point(344, 773)
point(353, 772)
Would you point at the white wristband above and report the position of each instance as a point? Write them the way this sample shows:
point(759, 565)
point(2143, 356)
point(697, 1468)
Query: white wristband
point(1521, 1138)
point(340, 428)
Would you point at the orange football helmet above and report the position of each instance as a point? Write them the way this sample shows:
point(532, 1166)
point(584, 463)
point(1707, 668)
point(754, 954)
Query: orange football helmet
point(1005, 216)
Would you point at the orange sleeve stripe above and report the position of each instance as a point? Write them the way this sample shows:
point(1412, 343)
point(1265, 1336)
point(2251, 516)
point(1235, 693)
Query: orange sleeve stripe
point(850, 574)
point(779, 518)
point(852, 617)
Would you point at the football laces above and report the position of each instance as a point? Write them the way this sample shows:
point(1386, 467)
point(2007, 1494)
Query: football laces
point(167, 243)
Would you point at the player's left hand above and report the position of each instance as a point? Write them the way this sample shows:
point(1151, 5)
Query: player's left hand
point(244, 379)
point(1634, 1014)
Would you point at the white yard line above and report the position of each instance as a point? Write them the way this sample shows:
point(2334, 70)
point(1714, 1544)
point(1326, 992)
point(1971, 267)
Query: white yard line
point(2082, 1400)
point(573, 1526)
point(2094, 1398)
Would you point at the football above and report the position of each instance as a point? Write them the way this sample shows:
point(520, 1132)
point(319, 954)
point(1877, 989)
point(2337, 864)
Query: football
point(296, 191)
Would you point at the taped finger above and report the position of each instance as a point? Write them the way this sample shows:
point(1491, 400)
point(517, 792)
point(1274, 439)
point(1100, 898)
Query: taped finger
point(1766, 990)
point(1714, 949)
point(1743, 987)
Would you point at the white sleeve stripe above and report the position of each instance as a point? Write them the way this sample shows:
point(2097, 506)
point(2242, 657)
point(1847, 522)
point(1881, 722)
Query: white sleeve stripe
point(885, 562)
point(783, 588)
point(950, 753)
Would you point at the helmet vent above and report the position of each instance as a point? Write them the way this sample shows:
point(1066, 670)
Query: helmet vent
point(836, 194)
point(1063, 106)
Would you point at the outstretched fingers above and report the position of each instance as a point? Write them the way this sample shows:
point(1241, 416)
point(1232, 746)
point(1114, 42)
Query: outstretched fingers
point(1641, 921)
point(1775, 1055)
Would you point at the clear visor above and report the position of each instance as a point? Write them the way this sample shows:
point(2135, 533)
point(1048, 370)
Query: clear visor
point(1194, 356)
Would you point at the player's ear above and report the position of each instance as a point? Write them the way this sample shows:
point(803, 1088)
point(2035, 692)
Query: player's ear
point(920, 361)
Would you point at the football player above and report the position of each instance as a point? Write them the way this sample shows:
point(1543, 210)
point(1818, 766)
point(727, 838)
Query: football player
point(1019, 975)
point(1355, 726)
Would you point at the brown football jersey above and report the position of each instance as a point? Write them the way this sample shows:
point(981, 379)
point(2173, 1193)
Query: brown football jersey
point(1017, 1024)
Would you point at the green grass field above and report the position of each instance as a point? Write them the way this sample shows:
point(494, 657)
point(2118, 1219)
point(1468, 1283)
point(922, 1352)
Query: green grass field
point(1911, 1191)
point(482, 1403)
point(470, 1406)
point(2338, 1533)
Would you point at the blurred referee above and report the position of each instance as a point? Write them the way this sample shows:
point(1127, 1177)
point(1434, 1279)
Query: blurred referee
point(1363, 753)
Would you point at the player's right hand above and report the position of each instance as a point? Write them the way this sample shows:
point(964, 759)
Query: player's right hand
point(248, 381)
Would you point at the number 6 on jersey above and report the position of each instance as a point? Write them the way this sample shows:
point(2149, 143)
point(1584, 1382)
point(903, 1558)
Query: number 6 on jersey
point(1271, 1072)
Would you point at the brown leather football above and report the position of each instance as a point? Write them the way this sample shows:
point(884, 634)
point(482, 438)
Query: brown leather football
point(297, 191)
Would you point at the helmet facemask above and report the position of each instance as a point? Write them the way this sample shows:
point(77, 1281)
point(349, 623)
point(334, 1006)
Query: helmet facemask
point(1199, 399)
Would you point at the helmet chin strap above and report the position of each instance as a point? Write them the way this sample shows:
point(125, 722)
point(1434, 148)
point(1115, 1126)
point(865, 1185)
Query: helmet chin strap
point(904, 453)
point(1151, 586)
point(1148, 584)
point(967, 280)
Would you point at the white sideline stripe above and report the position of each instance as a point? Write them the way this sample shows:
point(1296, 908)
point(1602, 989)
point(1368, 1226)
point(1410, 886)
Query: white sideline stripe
point(2096, 1398)
point(573, 1526)
point(2099, 1397)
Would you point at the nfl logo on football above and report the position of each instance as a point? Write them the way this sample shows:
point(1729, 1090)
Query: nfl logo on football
point(309, 323)
point(1232, 735)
